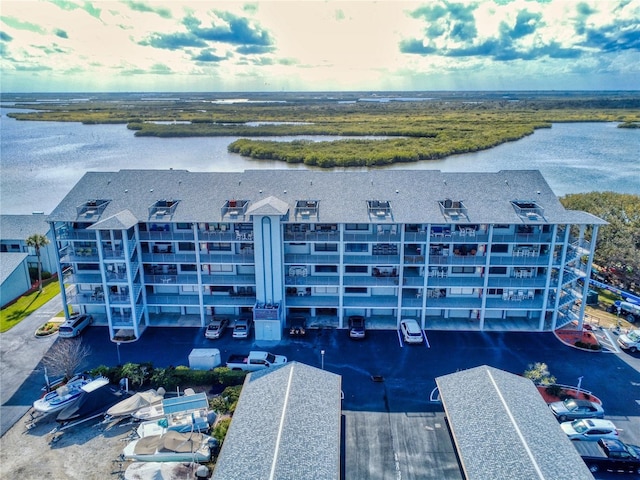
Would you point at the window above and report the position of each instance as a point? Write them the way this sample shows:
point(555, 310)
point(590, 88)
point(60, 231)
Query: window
point(463, 269)
point(326, 269)
point(357, 226)
point(498, 270)
point(356, 247)
point(186, 246)
point(356, 269)
point(499, 248)
point(188, 268)
point(355, 290)
point(221, 268)
point(494, 291)
point(218, 247)
point(326, 247)
point(183, 226)
point(461, 291)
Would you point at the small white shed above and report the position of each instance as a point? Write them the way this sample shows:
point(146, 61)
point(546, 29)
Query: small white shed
point(204, 358)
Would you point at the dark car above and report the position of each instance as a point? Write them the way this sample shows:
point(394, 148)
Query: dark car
point(356, 327)
point(216, 328)
point(297, 326)
point(572, 409)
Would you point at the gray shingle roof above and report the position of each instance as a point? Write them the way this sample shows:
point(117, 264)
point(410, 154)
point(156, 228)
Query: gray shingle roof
point(19, 227)
point(341, 196)
point(286, 426)
point(503, 429)
point(9, 261)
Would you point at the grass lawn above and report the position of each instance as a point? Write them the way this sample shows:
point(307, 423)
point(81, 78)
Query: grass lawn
point(27, 304)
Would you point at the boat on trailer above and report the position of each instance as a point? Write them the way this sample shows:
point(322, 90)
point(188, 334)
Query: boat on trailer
point(171, 447)
point(62, 396)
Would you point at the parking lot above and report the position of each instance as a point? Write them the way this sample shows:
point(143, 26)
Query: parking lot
point(393, 428)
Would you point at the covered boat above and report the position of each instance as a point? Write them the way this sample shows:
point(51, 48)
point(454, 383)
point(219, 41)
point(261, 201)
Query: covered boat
point(171, 447)
point(61, 396)
point(94, 400)
point(129, 406)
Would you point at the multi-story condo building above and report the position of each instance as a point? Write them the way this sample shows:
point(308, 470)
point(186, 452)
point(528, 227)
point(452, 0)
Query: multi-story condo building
point(473, 251)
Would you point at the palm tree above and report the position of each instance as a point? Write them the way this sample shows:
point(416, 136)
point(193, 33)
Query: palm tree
point(37, 241)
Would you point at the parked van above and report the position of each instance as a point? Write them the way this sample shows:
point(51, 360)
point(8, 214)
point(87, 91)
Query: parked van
point(74, 326)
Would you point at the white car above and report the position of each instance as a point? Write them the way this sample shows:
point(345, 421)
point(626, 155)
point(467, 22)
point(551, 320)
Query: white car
point(589, 429)
point(411, 331)
point(630, 341)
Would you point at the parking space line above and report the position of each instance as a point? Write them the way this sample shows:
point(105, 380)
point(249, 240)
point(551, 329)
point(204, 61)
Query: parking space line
point(400, 338)
point(426, 340)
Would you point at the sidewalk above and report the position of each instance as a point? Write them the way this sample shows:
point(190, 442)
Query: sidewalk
point(20, 353)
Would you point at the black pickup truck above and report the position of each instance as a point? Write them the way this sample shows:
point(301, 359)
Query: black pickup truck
point(611, 455)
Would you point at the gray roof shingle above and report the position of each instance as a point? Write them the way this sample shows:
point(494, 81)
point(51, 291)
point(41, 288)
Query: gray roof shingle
point(342, 196)
point(503, 429)
point(19, 227)
point(286, 426)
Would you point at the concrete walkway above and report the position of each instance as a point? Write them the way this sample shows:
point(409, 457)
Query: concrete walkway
point(20, 355)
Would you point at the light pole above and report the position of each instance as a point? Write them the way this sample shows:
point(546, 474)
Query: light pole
point(118, 348)
point(579, 385)
point(322, 356)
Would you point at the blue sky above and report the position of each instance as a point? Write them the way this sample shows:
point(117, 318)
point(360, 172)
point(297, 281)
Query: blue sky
point(196, 45)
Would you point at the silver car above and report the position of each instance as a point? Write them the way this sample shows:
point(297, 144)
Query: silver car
point(573, 409)
point(589, 429)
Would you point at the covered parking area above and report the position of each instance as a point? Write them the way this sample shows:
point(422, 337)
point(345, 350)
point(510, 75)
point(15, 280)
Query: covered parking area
point(287, 425)
point(503, 429)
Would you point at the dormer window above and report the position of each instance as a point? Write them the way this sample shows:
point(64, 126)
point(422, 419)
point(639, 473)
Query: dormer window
point(453, 210)
point(163, 209)
point(235, 207)
point(306, 208)
point(379, 209)
point(91, 209)
point(528, 210)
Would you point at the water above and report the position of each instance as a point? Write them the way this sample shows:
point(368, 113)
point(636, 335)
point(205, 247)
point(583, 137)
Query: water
point(42, 161)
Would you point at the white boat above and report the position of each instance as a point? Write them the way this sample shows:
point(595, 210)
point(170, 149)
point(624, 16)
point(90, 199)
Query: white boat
point(171, 447)
point(164, 471)
point(156, 411)
point(196, 421)
point(61, 396)
point(188, 413)
point(129, 406)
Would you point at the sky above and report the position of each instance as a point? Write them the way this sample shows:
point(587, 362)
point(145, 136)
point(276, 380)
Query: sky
point(358, 45)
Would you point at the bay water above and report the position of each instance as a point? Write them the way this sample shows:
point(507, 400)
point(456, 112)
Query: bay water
point(41, 161)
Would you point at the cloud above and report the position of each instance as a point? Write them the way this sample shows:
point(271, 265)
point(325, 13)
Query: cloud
point(5, 37)
point(454, 20)
point(233, 30)
point(208, 56)
point(143, 7)
point(86, 6)
point(60, 33)
point(450, 31)
point(173, 41)
point(20, 25)
point(526, 23)
point(253, 49)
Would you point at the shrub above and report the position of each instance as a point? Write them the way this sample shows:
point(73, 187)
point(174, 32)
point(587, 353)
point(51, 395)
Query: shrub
point(227, 401)
point(221, 428)
point(539, 374)
point(555, 390)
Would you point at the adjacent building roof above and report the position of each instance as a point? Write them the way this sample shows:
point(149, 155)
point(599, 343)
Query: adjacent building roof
point(286, 426)
point(19, 227)
point(9, 261)
point(411, 196)
point(503, 429)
